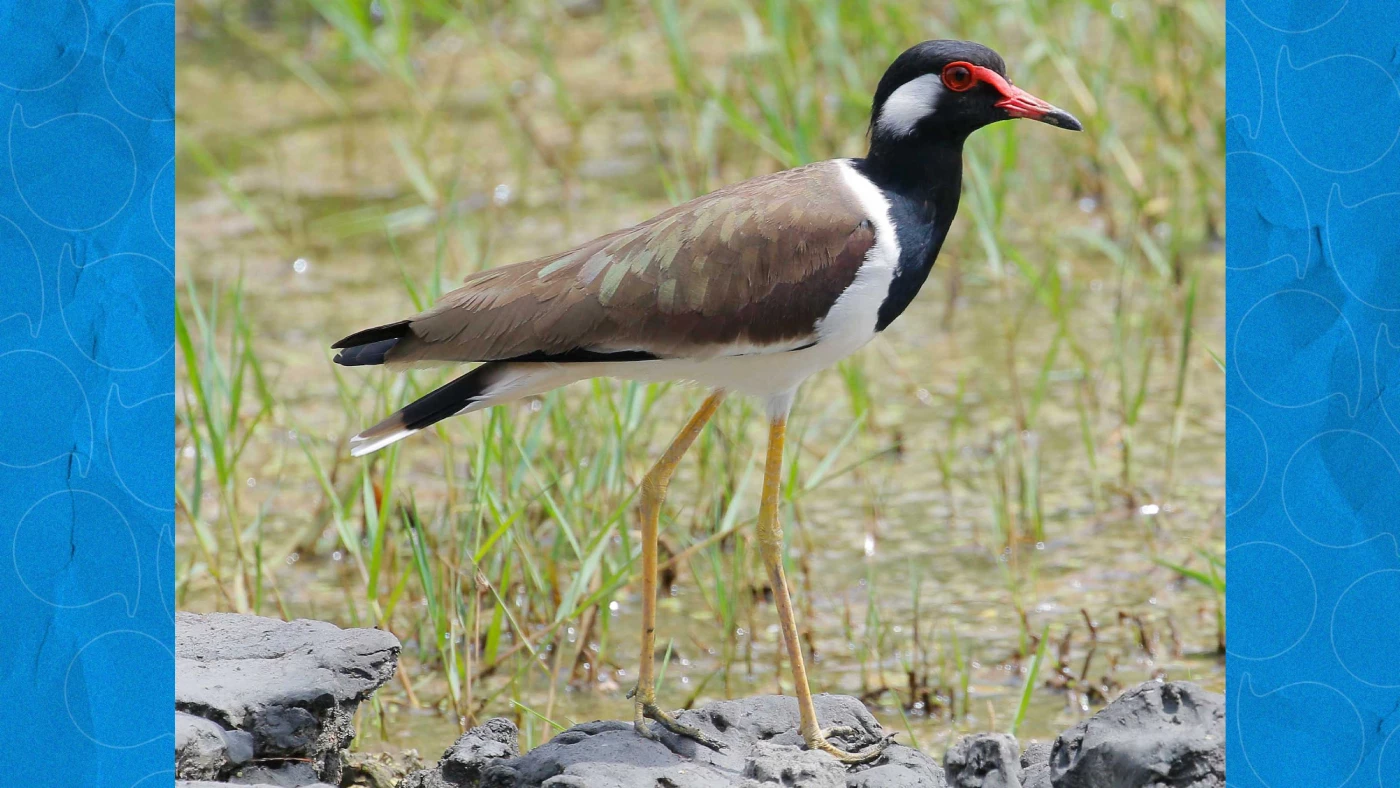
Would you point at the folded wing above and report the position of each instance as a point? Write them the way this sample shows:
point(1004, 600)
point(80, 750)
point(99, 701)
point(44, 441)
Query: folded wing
point(749, 268)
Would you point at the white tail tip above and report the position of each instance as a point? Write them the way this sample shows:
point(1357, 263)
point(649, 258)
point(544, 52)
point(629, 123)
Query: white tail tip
point(360, 445)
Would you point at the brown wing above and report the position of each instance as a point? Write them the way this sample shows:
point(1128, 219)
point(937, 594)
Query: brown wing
point(756, 264)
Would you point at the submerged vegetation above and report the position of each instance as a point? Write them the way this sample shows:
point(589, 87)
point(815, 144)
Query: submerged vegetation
point(1000, 512)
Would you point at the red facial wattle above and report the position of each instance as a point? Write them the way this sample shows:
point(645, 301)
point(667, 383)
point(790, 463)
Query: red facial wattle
point(1017, 102)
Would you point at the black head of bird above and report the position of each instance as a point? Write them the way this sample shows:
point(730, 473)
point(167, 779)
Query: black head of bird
point(749, 289)
point(942, 91)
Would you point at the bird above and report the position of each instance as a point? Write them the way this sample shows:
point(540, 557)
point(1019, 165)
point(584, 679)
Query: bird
point(748, 290)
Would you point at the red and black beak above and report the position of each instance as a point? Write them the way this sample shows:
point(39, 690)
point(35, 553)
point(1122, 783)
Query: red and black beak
point(1020, 104)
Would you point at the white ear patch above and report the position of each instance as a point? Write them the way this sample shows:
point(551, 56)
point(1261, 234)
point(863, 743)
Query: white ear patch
point(910, 103)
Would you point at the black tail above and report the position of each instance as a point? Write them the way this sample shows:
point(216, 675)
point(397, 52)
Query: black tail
point(369, 347)
point(428, 410)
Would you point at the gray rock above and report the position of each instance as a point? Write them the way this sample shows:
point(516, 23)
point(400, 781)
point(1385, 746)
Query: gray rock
point(762, 749)
point(477, 749)
point(212, 784)
point(984, 760)
point(425, 778)
point(1035, 766)
point(293, 686)
point(270, 704)
point(1037, 752)
point(899, 767)
point(205, 751)
point(295, 774)
point(781, 764)
point(1155, 735)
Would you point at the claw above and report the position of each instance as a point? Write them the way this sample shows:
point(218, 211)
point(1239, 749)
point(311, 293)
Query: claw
point(651, 711)
point(639, 722)
point(840, 732)
point(644, 730)
point(819, 742)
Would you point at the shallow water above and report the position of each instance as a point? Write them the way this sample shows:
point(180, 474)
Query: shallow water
point(865, 543)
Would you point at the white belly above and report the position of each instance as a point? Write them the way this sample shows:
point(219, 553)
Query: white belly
point(773, 377)
point(770, 377)
point(759, 375)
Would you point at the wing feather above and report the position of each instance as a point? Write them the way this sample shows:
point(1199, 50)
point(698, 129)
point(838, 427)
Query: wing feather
point(752, 265)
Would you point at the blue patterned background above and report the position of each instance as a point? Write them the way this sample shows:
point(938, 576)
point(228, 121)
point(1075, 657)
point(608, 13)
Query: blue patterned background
point(87, 219)
point(87, 393)
point(1313, 434)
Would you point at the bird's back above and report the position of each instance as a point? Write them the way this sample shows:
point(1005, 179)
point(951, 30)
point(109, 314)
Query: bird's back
point(751, 266)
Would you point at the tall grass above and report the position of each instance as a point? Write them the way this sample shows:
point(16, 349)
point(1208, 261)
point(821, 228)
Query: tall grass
point(500, 548)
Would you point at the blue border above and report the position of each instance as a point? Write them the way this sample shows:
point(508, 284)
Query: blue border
point(1313, 364)
point(87, 368)
point(87, 218)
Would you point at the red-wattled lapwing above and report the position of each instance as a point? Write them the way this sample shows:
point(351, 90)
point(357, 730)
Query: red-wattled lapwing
point(749, 289)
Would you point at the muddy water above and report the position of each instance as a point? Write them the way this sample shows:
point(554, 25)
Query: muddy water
point(879, 551)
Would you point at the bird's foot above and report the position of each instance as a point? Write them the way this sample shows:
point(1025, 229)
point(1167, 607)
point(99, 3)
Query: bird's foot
point(646, 709)
point(818, 740)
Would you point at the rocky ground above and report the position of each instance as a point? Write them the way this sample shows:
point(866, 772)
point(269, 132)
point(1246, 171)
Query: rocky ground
point(266, 702)
point(262, 701)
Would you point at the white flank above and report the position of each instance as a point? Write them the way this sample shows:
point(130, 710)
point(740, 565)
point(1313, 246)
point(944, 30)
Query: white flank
point(910, 103)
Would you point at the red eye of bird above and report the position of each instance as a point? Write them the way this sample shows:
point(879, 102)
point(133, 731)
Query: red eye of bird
point(957, 76)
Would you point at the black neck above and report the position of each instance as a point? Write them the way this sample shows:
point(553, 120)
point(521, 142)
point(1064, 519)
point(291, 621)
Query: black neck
point(922, 179)
point(920, 160)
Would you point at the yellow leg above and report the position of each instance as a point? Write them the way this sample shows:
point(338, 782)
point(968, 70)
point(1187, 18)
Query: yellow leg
point(770, 545)
point(653, 494)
